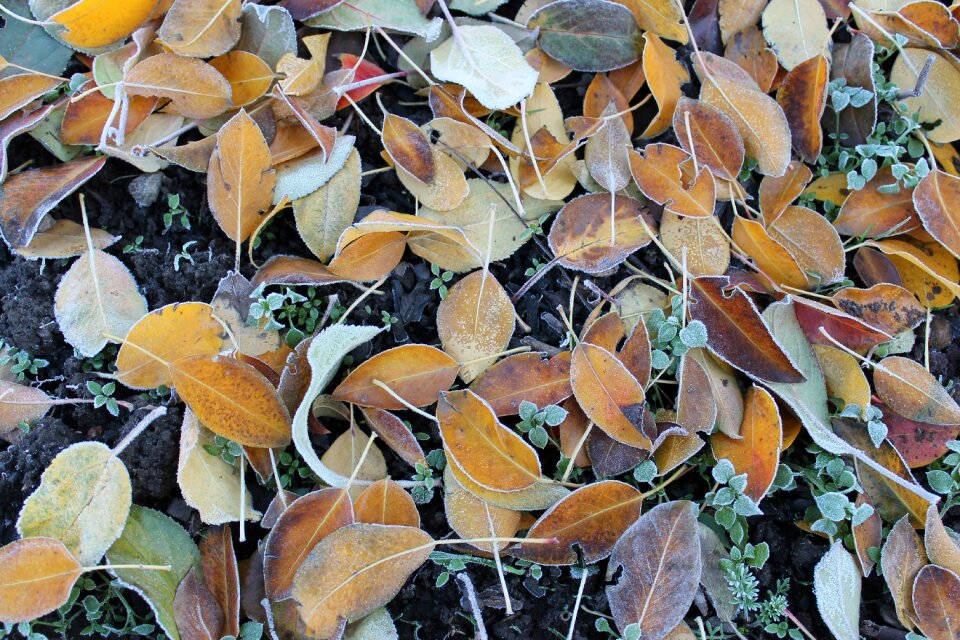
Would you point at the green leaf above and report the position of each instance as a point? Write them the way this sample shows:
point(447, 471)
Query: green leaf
point(152, 538)
point(29, 45)
point(398, 15)
point(588, 35)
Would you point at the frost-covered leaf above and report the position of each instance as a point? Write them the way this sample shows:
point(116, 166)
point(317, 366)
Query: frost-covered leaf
point(836, 584)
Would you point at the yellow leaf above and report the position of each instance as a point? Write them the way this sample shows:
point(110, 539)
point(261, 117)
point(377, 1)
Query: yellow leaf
point(91, 24)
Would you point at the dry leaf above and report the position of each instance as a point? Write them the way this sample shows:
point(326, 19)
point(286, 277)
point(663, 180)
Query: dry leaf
point(757, 452)
point(385, 502)
point(803, 97)
point(796, 29)
point(910, 390)
point(194, 88)
point(936, 599)
point(417, 373)
point(91, 24)
point(665, 75)
point(472, 517)
point(36, 576)
point(901, 559)
point(658, 174)
point(201, 28)
point(524, 376)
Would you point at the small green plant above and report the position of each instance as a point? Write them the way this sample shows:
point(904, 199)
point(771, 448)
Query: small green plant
point(19, 362)
point(299, 314)
point(103, 396)
point(535, 228)
point(184, 255)
point(440, 280)
point(535, 269)
point(670, 339)
point(105, 360)
point(944, 477)
point(134, 247)
point(832, 481)
point(294, 475)
point(227, 450)
point(388, 320)
point(533, 421)
point(436, 461)
point(728, 499)
point(175, 212)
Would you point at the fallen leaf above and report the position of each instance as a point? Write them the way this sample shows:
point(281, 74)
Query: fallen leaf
point(524, 376)
point(36, 576)
point(472, 517)
point(803, 97)
point(927, 270)
point(706, 245)
point(592, 518)
point(305, 522)
point(606, 153)
point(385, 502)
point(757, 451)
point(233, 400)
point(475, 322)
point(844, 377)
point(873, 213)
point(665, 76)
point(736, 333)
point(345, 458)
point(409, 147)
point(201, 28)
point(919, 444)
point(91, 24)
point(194, 88)
point(737, 15)
point(909, 389)
point(749, 50)
point(355, 570)
point(488, 63)
point(20, 403)
point(581, 235)
point(322, 216)
point(198, 613)
point(587, 35)
point(867, 535)
point(942, 548)
point(395, 434)
point(25, 198)
point(166, 334)
point(941, 91)
point(812, 242)
point(935, 201)
point(658, 554)
point(889, 307)
point(707, 133)
point(853, 61)
point(416, 372)
point(936, 599)
point(658, 174)
point(249, 76)
point(97, 297)
point(771, 256)
point(901, 559)
point(487, 452)
point(218, 561)
point(725, 390)
point(836, 584)
point(208, 483)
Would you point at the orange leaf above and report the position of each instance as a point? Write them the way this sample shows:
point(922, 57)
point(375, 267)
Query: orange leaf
point(219, 564)
point(813, 243)
point(664, 76)
point(194, 88)
point(385, 502)
point(409, 147)
point(487, 452)
point(706, 132)
point(365, 70)
point(91, 24)
point(592, 517)
point(757, 452)
point(803, 98)
point(233, 400)
point(36, 577)
point(871, 213)
point(20, 90)
point(935, 199)
point(936, 599)
point(524, 376)
point(609, 394)
point(771, 257)
point(248, 75)
point(657, 173)
point(776, 194)
point(415, 372)
point(911, 391)
point(890, 308)
point(306, 521)
point(901, 559)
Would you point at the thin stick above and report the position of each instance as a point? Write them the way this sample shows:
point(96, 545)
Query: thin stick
point(576, 604)
point(526, 138)
point(496, 560)
point(508, 352)
point(396, 396)
point(113, 567)
point(56, 402)
point(576, 451)
point(471, 594)
point(20, 18)
point(276, 479)
point(243, 486)
point(363, 455)
point(362, 115)
point(362, 297)
point(926, 341)
point(792, 617)
point(404, 55)
point(137, 430)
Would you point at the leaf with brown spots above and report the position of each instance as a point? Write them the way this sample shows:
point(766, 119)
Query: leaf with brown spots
point(888, 307)
point(609, 394)
point(409, 148)
point(592, 518)
point(487, 452)
point(813, 243)
point(918, 443)
point(936, 599)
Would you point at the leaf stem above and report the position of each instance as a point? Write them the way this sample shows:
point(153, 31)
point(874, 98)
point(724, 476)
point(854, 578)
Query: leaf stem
point(142, 567)
point(398, 398)
point(679, 473)
point(576, 451)
point(137, 430)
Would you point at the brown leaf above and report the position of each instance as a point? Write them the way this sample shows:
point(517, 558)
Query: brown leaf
point(871, 213)
point(942, 548)
point(355, 570)
point(725, 390)
point(889, 307)
point(17, 91)
point(219, 563)
point(918, 443)
point(194, 88)
point(609, 457)
point(294, 270)
point(901, 559)
point(201, 28)
point(524, 376)
point(867, 535)
point(25, 198)
point(853, 62)
point(813, 243)
point(935, 199)
point(409, 148)
point(395, 434)
point(696, 408)
point(305, 522)
point(475, 322)
point(581, 234)
point(603, 91)
point(166, 334)
point(936, 599)
point(592, 518)
point(636, 354)
point(609, 394)
point(736, 332)
point(385, 502)
point(491, 455)
point(757, 452)
point(704, 131)
point(749, 50)
point(198, 613)
point(657, 173)
point(416, 372)
point(36, 577)
point(909, 389)
point(803, 98)
point(233, 400)
point(659, 554)
point(240, 179)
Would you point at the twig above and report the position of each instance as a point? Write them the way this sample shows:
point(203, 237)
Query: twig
point(466, 584)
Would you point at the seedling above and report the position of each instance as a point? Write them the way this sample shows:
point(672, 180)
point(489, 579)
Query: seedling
point(103, 396)
point(175, 213)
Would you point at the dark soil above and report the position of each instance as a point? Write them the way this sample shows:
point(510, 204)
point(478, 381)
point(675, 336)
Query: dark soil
point(542, 608)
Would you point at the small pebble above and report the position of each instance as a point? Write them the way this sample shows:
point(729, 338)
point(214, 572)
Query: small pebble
point(145, 189)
